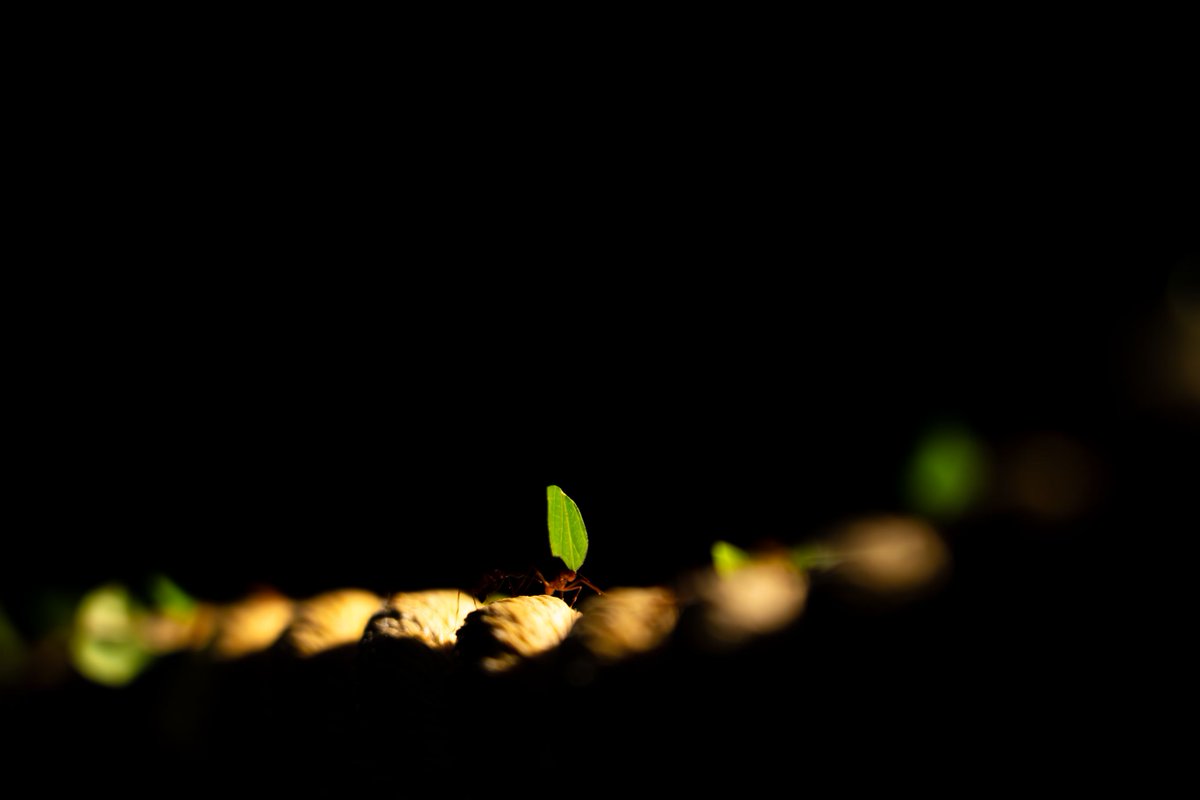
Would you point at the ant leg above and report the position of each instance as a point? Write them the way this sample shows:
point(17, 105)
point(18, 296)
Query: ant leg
point(576, 589)
point(588, 584)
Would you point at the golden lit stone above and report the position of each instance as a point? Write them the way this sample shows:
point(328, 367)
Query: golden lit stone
point(330, 620)
point(505, 632)
point(251, 624)
point(625, 621)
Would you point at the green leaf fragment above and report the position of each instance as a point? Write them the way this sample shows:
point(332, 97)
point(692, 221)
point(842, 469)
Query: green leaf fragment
point(728, 557)
point(169, 598)
point(568, 536)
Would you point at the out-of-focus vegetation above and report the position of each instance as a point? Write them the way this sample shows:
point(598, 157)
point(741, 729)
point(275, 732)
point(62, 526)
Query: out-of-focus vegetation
point(106, 645)
point(947, 472)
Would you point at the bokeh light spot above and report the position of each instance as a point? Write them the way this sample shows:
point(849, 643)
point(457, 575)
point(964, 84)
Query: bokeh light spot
point(946, 473)
point(105, 646)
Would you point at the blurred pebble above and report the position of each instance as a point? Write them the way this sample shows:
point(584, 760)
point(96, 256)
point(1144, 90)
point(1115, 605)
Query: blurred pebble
point(626, 621)
point(888, 553)
point(726, 609)
point(330, 620)
point(251, 624)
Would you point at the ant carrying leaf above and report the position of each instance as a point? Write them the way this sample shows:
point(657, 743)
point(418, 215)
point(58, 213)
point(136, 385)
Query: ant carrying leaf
point(567, 580)
point(559, 575)
point(548, 577)
point(568, 541)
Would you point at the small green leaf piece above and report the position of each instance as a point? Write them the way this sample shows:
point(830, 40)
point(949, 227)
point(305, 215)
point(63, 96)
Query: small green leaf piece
point(727, 557)
point(169, 598)
point(568, 536)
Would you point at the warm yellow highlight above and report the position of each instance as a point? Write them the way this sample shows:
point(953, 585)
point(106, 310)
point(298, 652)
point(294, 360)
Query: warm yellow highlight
point(889, 553)
point(625, 621)
point(330, 620)
point(500, 635)
point(251, 624)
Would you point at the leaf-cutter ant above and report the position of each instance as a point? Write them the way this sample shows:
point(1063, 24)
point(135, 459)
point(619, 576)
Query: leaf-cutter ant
point(549, 577)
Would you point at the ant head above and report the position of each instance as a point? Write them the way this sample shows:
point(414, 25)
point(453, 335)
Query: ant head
point(553, 567)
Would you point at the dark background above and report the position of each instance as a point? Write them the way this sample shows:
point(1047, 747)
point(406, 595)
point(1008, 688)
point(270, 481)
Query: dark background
point(395, 426)
point(364, 372)
point(398, 430)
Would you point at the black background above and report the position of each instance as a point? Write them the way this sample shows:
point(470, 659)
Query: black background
point(334, 312)
point(387, 420)
point(365, 373)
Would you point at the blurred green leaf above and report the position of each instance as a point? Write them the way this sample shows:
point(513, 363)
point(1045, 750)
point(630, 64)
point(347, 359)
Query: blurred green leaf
point(169, 598)
point(727, 557)
point(946, 472)
point(105, 646)
point(568, 536)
